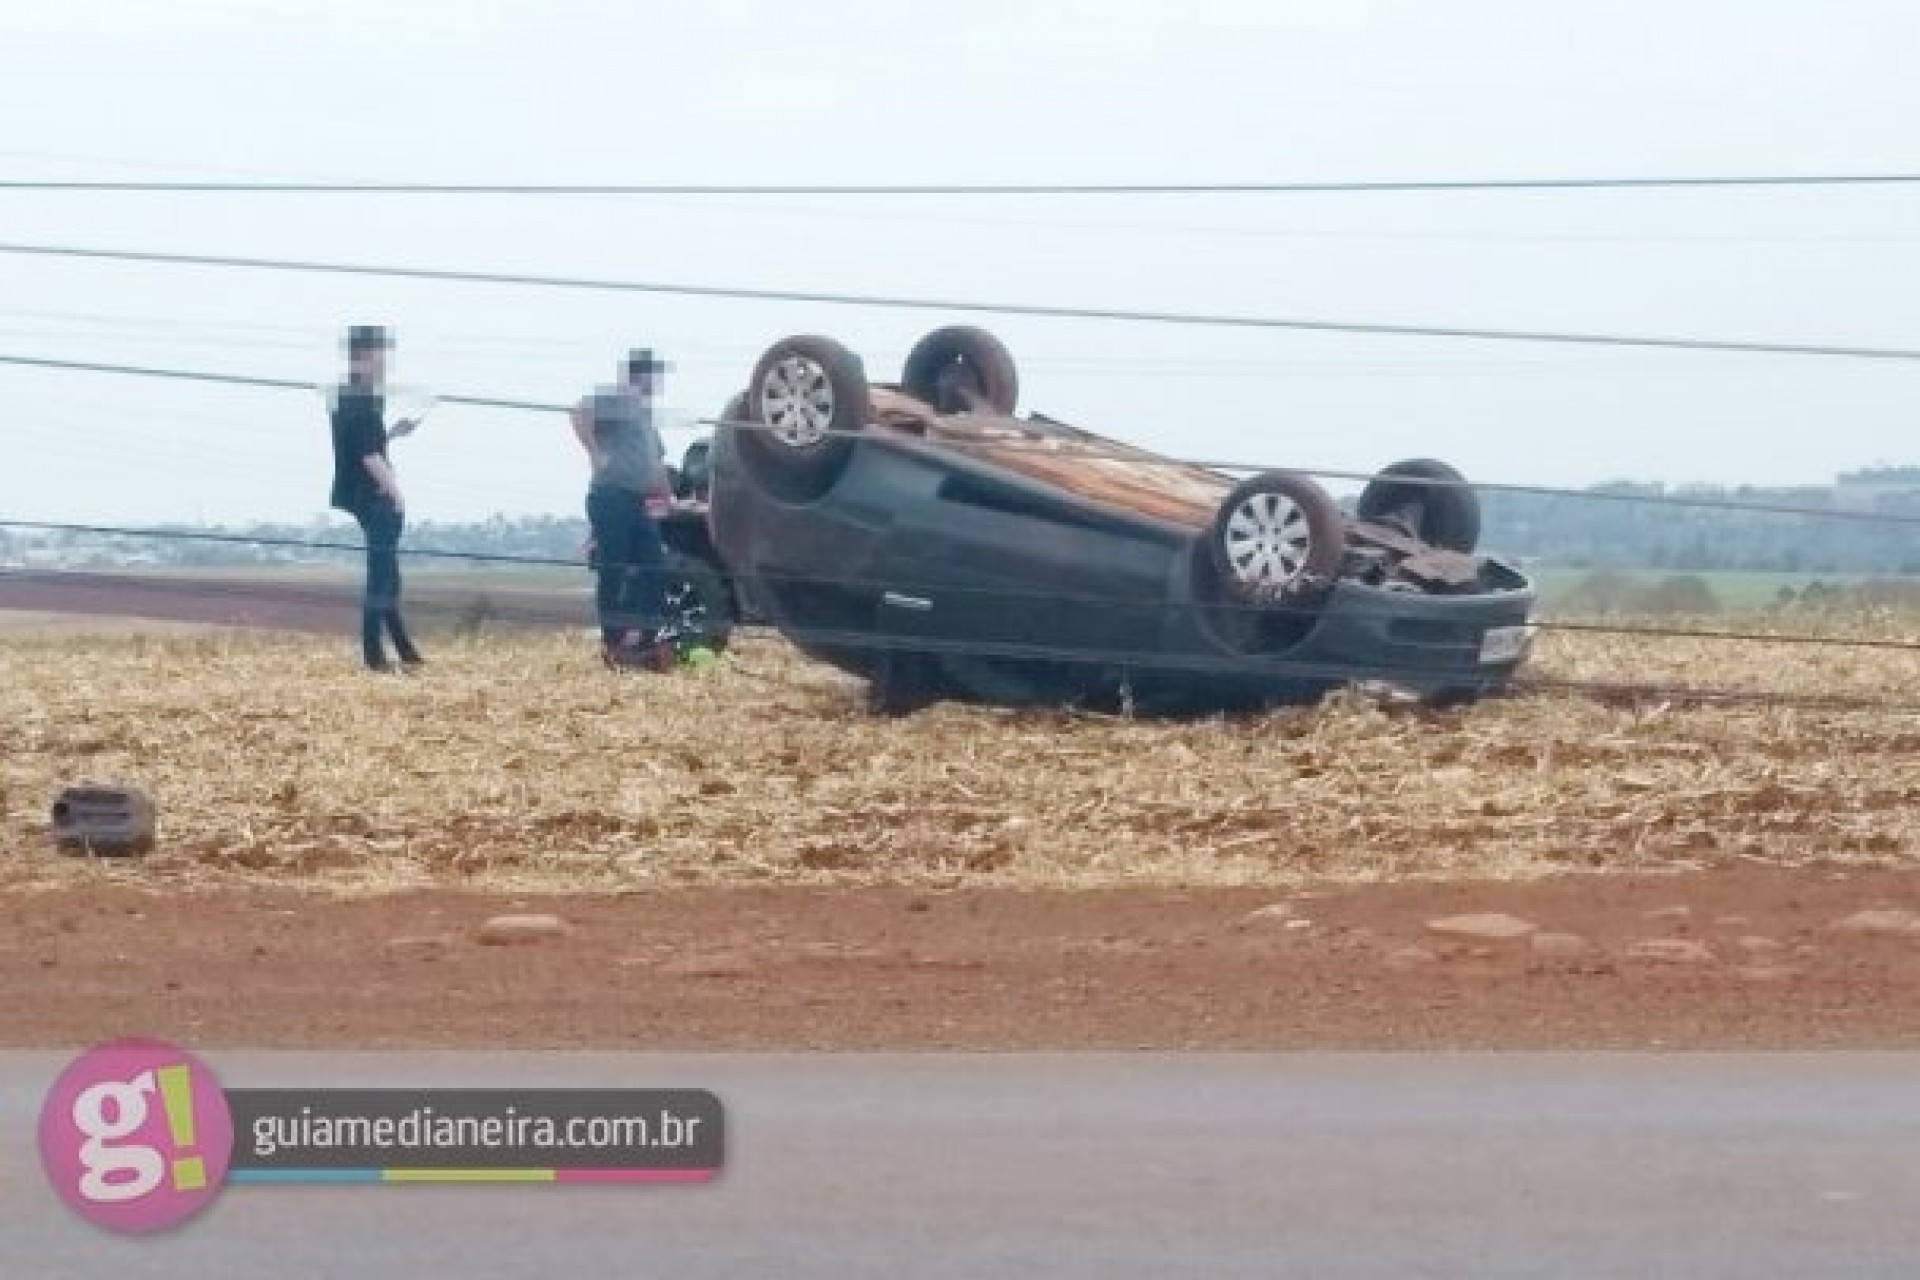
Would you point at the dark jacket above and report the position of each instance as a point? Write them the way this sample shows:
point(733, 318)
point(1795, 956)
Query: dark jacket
point(359, 430)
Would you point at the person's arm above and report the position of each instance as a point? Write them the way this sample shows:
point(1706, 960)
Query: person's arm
point(382, 472)
point(658, 499)
point(582, 417)
point(369, 440)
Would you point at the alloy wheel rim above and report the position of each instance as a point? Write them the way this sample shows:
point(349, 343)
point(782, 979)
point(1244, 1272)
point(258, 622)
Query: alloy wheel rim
point(1268, 539)
point(797, 402)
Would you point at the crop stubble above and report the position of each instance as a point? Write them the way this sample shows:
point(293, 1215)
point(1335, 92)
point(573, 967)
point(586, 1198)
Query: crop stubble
point(517, 764)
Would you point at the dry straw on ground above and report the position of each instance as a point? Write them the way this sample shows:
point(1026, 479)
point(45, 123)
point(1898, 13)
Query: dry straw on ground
point(519, 763)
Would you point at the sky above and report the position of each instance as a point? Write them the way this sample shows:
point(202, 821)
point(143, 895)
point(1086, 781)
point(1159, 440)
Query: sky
point(860, 91)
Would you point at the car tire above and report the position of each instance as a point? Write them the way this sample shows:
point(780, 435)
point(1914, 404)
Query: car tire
point(1235, 624)
point(1444, 515)
point(696, 602)
point(1278, 536)
point(982, 359)
point(808, 398)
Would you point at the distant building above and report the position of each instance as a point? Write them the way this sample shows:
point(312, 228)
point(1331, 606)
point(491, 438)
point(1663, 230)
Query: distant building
point(1878, 489)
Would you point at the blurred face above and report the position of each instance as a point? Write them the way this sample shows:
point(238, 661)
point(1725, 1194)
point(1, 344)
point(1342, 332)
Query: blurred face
point(369, 367)
point(643, 380)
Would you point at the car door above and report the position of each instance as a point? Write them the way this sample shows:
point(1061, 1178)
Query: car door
point(995, 563)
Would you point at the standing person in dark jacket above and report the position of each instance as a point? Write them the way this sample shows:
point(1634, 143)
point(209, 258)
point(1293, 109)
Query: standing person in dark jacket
point(617, 427)
point(364, 486)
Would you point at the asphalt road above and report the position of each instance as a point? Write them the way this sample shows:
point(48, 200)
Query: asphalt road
point(928, 1166)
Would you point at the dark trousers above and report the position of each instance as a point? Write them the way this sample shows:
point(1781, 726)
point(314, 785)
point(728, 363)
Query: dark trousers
point(382, 523)
point(627, 592)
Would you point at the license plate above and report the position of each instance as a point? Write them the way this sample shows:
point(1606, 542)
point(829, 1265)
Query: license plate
point(1503, 645)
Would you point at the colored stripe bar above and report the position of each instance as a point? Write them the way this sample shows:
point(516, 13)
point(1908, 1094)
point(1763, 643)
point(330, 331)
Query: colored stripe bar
point(570, 1176)
point(466, 1175)
point(634, 1175)
point(303, 1175)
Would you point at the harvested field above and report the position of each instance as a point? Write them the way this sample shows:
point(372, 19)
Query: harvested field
point(744, 858)
point(518, 764)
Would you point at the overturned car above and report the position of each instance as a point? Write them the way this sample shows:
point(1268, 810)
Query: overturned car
point(923, 536)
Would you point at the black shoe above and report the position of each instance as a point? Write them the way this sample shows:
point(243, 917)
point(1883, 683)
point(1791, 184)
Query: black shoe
point(402, 641)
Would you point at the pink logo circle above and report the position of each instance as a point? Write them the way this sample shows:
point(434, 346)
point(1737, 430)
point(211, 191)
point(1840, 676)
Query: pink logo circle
point(135, 1136)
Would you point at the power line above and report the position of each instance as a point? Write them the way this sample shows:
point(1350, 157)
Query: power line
point(1484, 684)
point(247, 380)
point(267, 540)
point(875, 584)
point(1682, 501)
point(1034, 310)
point(513, 604)
point(1388, 186)
point(1844, 514)
point(1642, 691)
point(228, 172)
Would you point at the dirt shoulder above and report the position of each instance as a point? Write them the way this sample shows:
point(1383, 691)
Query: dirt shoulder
point(102, 602)
point(1741, 958)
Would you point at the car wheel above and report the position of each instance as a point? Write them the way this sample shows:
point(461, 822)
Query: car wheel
point(1444, 515)
point(1232, 621)
point(808, 398)
point(1278, 536)
point(948, 365)
point(695, 603)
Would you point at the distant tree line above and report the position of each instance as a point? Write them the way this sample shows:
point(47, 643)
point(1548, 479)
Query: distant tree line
point(1613, 593)
point(1588, 533)
point(536, 538)
point(1572, 531)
